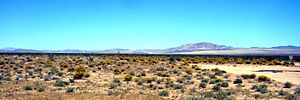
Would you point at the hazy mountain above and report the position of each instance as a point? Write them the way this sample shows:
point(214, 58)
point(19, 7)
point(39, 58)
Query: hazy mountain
point(194, 48)
point(287, 47)
point(202, 46)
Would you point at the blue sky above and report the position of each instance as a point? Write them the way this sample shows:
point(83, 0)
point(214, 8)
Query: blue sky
point(152, 24)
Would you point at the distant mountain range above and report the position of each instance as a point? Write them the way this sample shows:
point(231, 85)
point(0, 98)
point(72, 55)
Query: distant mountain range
point(194, 48)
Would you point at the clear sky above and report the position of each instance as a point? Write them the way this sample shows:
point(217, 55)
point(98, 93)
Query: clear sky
point(152, 24)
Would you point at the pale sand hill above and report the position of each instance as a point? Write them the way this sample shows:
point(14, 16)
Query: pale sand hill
point(246, 51)
point(293, 77)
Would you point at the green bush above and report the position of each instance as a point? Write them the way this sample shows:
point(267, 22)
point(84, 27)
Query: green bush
point(262, 88)
point(202, 85)
point(40, 88)
point(61, 83)
point(71, 80)
point(54, 70)
point(288, 85)
point(164, 93)
point(291, 97)
point(224, 84)
point(216, 88)
point(221, 95)
point(282, 93)
point(238, 81)
point(27, 87)
point(70, 90)
point(113, 86)
point(208, 94)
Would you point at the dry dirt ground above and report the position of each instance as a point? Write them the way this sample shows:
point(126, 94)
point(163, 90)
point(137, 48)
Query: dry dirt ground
point(284, 76)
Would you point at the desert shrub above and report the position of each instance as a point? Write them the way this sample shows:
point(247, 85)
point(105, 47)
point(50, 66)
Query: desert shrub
point(262, 88)
point(248, 76)
point(148, 79)
point(178, 86)
point(252, 76)
point(40, 88)
point(86, 74)
point(117, 71)
point(282, 93)
point(114, 92)
point(116, 80)
point(216, 87)
point(161, 74)
point(143, 73)
point(221, 95)
point(205, 80)
point(28, 67)
point(193, 90)
point(164, 93)
point(69, 90)
point(27, 87)
point(80, 69)
point(65, 65)
point(54, 70)
point(140, 82)
point(181, 80)
point(219, 80)
point(256, 96)
point(132, 73)
point(152, 86)
point(238, 81)
point(224, 84)
point(202, 85)
point(60, 83)
point(47, 78)
point(291, 97)
point(189, 71)
point(212, 76)
point(169, 85)
point(230, 91)
point(160, 69)
point(288, 85)
point(208, 94)
point(190, 82)
point(128, 77)
point(71, 80)
point(113, 86)
point(38, 69)
point(297, 91)
point(215, 69)
point(71, 69)
point(78, 75)
point(158, 81)
point(263, 78)
point(60, 74)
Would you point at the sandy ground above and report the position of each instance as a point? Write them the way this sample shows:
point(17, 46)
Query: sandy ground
point(293, 77)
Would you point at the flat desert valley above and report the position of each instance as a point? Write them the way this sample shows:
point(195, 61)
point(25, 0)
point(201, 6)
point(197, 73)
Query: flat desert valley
point(147, 77)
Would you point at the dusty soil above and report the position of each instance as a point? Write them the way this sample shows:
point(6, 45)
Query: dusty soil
point(284, 76)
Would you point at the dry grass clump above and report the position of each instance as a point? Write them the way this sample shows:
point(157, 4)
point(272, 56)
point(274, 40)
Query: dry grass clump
point(81, 72)
point(263, 78)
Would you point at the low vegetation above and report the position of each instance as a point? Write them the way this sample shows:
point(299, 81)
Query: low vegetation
point(134, 77)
